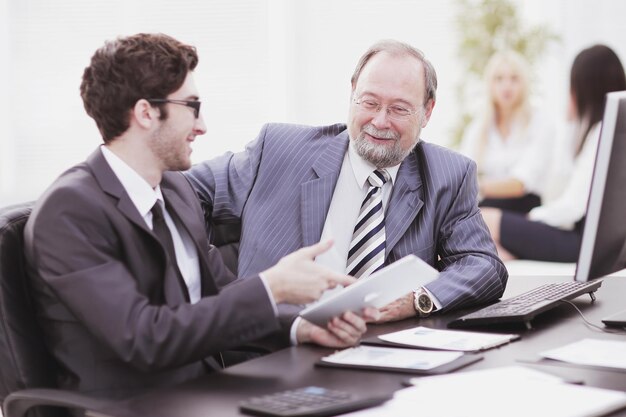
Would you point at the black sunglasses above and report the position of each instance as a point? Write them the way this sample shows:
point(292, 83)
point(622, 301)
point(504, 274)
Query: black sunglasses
point(194, 104)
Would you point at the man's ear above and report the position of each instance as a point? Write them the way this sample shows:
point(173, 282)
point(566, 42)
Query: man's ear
point(428, 112)
point(144, 114)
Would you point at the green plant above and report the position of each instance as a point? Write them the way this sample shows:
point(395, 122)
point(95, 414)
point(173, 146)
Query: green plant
point(487, 26)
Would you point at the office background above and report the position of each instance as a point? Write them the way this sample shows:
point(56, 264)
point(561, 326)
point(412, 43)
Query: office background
point(260, 60)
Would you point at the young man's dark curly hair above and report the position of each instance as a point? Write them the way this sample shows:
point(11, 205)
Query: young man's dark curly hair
point(125, 70)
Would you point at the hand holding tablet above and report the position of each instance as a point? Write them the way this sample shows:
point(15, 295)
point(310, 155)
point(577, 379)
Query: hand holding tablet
point(376, 290)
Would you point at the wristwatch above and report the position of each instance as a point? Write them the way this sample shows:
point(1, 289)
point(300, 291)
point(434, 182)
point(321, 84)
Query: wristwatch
point(422, 303)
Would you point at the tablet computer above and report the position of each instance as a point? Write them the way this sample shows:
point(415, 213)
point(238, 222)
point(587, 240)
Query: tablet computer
point(377, 290)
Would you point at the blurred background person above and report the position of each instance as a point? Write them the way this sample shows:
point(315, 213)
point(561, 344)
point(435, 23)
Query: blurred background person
point(553, 231)
point(510, 141)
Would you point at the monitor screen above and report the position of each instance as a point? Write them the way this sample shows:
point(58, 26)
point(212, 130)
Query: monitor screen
point(603, 247)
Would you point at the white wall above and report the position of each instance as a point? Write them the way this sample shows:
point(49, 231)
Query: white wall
point(260, 61)
point(7, 168)
point(332, 35)
point(580, 24)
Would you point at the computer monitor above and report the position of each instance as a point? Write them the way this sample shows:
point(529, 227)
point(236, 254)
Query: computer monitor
point(603, 247)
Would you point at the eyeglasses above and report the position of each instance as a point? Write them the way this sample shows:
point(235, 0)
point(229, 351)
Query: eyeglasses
point(394, 111)
point(194, 104)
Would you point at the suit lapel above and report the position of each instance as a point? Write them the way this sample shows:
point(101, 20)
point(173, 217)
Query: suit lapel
point(186, 216)
point(106, 178)
point(316, 194)
point(109, 183)
point(405, 202)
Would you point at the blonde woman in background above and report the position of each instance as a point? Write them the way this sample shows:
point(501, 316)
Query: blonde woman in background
point(509, 141)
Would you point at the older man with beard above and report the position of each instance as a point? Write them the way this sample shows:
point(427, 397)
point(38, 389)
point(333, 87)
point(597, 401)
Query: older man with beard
point(372, 186)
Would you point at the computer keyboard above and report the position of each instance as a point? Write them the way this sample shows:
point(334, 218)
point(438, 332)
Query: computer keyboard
point(308, 402)
point(526, 306)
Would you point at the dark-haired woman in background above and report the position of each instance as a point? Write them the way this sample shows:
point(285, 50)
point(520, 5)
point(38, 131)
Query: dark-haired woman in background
point(553, 231)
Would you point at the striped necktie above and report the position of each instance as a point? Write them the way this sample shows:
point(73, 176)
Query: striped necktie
point(367, 248)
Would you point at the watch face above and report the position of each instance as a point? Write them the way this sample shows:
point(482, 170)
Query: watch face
point(425, 303)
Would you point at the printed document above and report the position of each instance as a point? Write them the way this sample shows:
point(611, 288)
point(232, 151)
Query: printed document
point(424, 337)
point(392, 357)
point(508, 391)
point(593, 352)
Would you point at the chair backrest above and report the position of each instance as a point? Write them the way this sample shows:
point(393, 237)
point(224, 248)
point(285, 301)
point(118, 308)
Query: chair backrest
point(24, 360)
point(226, 238)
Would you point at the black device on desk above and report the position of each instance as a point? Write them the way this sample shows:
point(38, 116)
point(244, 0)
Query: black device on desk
point(308, 401)
point(603, 248)
point(616, 320)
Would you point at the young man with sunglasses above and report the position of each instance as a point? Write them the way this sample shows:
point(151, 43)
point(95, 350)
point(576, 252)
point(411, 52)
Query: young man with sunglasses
point(129, 292)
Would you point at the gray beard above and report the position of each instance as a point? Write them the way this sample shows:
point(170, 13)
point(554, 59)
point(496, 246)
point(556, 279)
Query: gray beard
point(381, 156)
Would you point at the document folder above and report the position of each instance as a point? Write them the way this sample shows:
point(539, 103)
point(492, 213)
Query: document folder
point(419, 362)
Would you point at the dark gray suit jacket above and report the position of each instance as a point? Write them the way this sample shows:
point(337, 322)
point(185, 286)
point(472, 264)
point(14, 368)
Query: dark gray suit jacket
point(113, 318)
point(281, 186)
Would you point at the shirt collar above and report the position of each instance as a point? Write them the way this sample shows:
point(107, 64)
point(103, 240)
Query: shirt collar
point(363, 168)
point(140, 192)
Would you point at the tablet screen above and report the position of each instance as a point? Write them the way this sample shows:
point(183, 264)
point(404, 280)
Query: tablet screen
point(377, 290)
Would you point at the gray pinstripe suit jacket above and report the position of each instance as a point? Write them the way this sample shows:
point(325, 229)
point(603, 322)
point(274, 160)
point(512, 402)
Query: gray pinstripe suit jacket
point(281, 186)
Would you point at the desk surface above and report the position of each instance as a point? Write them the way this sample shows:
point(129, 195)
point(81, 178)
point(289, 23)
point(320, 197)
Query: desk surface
point(218, 394)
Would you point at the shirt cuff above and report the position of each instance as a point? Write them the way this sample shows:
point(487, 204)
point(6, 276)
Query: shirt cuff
point(436, 302)
point(269, 294)
point(294, 331)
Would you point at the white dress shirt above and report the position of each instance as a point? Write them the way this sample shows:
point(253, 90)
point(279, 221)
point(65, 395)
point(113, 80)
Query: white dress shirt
point(143, 197)
point(351, 189)
point(571, 175)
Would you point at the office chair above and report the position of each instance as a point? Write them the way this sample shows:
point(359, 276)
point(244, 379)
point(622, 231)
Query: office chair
point(226, 238)
point(27, 370)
